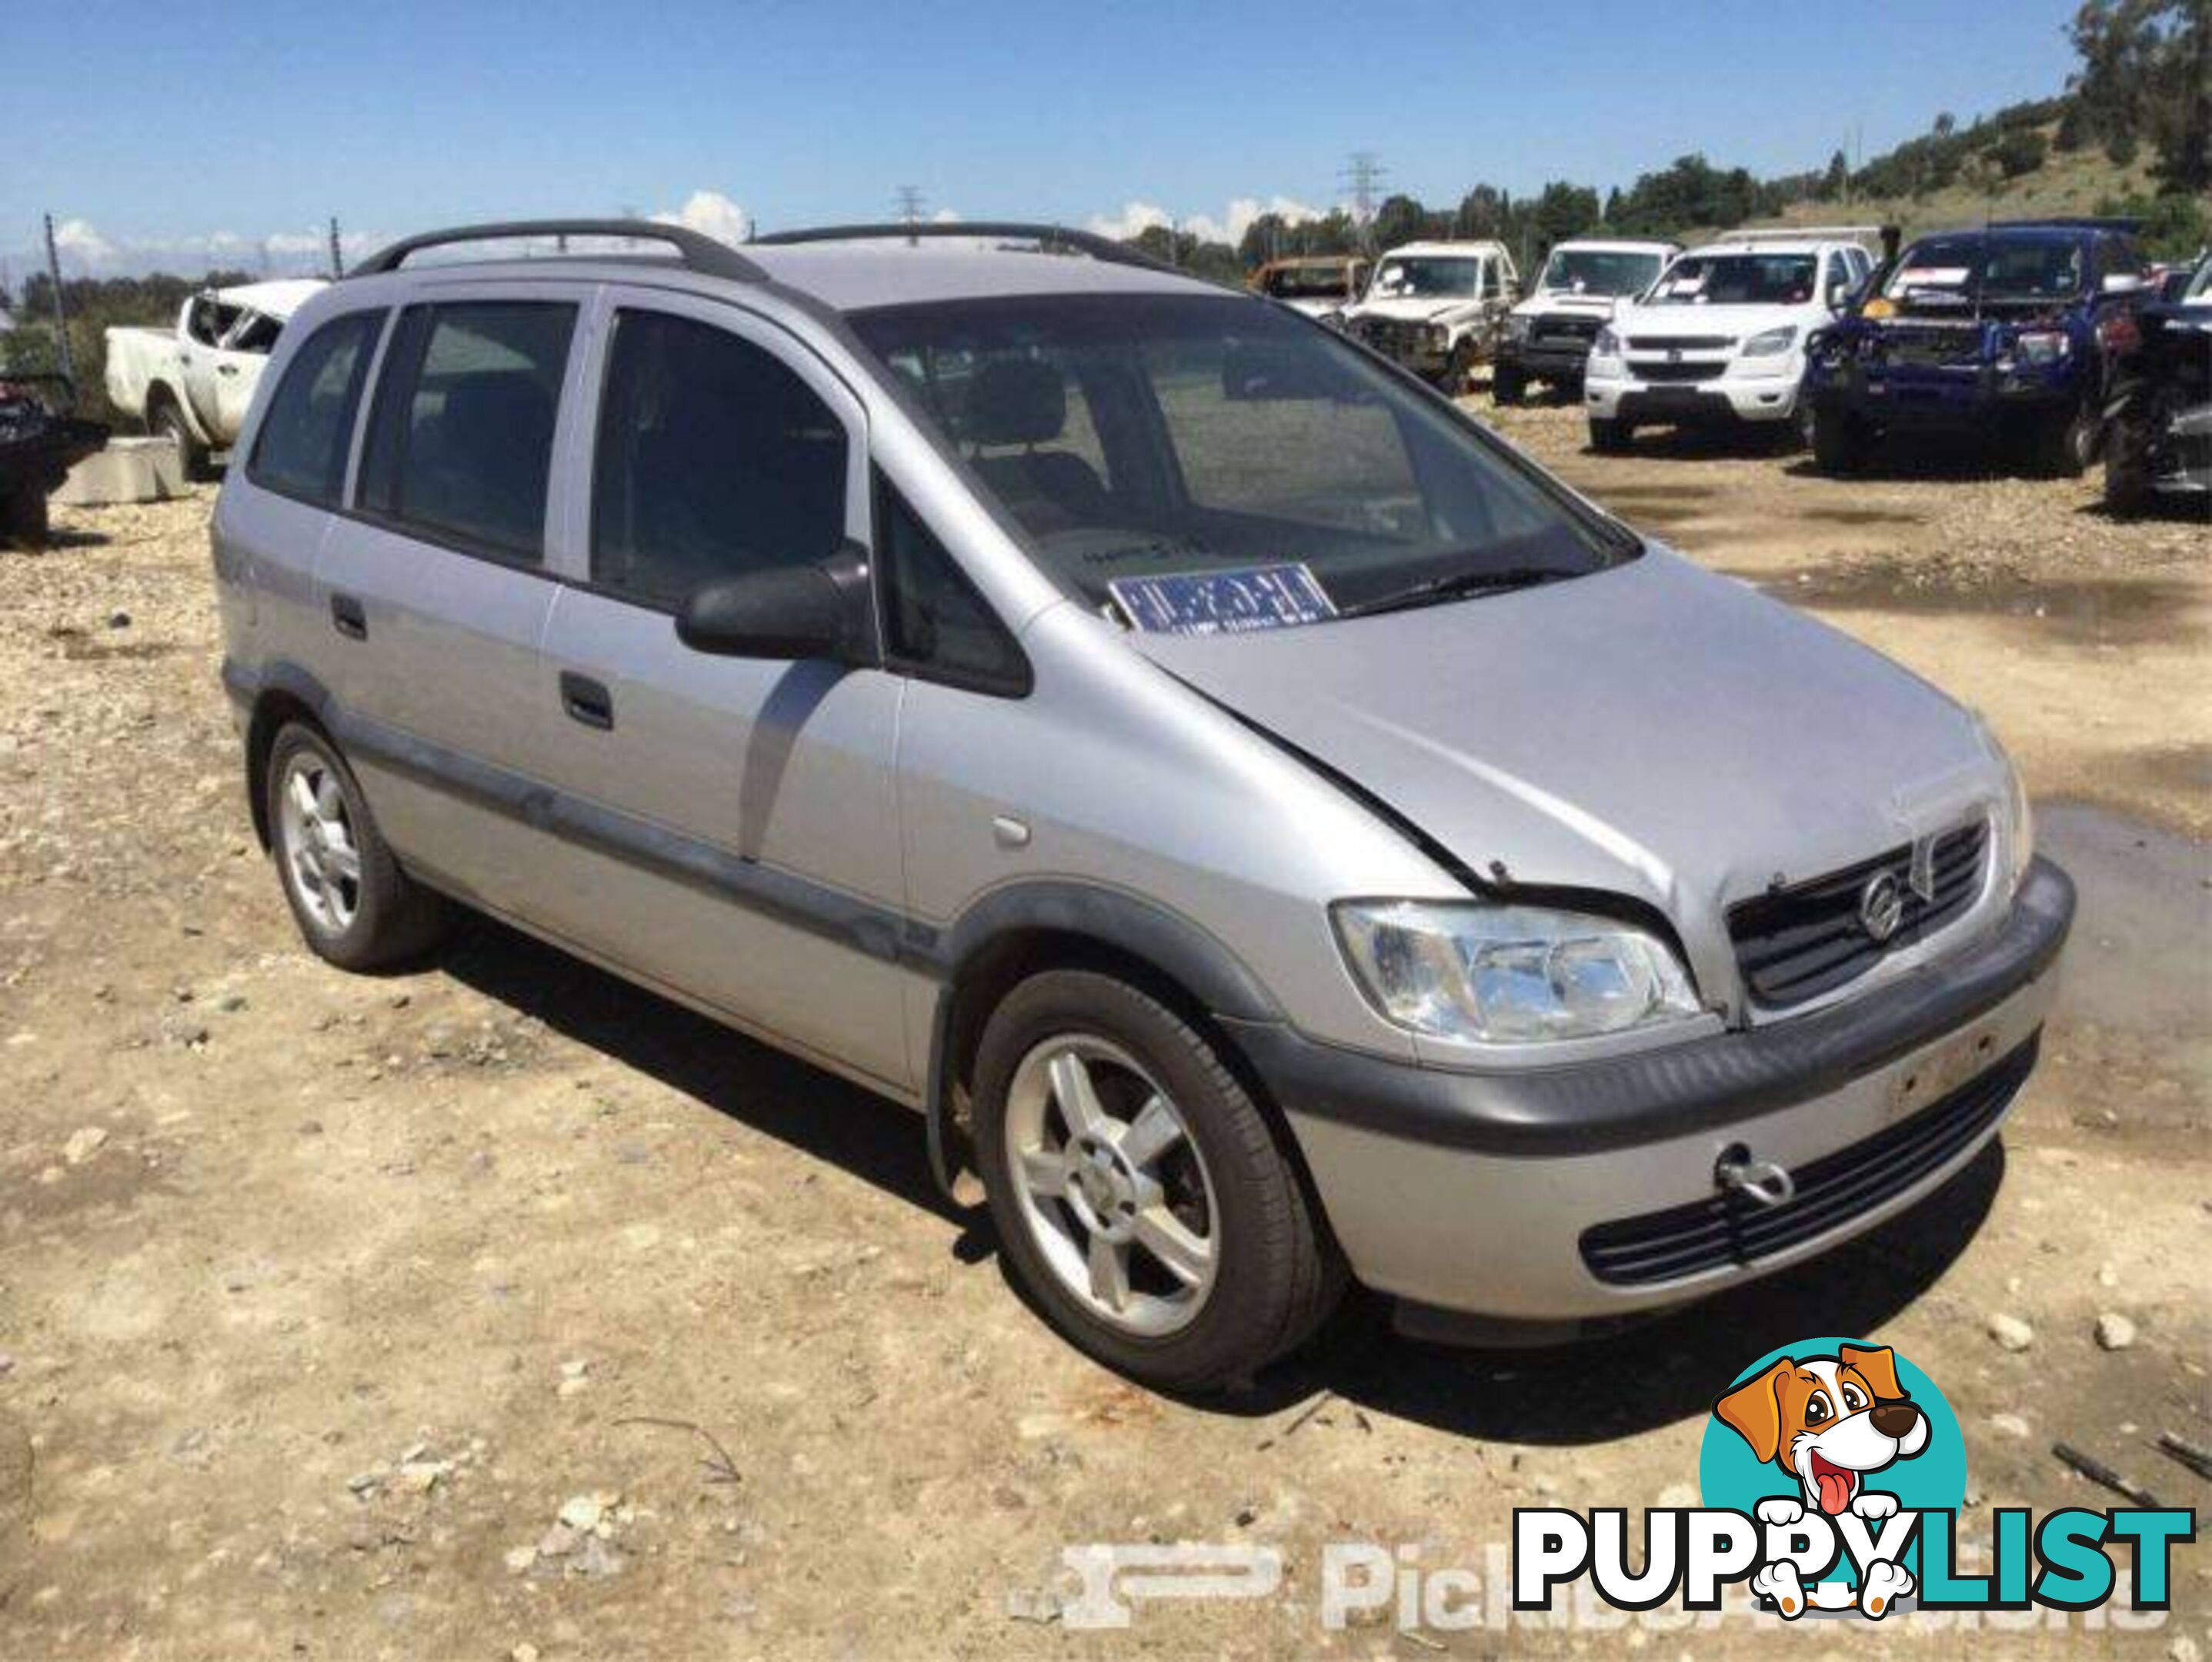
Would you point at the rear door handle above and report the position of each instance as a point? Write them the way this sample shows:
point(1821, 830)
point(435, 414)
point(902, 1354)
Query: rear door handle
point(587, 701)
point(349, 617)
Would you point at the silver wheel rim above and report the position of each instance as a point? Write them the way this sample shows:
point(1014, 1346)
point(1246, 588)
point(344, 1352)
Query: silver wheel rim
point(1111, 1185)
point(315, 836)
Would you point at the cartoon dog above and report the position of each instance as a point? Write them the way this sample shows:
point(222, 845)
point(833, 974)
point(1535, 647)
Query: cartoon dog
point(1829, 1422)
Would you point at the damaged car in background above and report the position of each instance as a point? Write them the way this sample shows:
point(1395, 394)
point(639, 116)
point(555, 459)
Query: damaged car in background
point(1547, 337)
point(40, 439)
point(1319, 285)
point(193, 381)
point(2159, 413)
point(1436, 308)
point(2003, 334)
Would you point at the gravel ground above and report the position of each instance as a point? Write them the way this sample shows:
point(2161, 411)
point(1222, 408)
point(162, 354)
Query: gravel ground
point(498, 1310)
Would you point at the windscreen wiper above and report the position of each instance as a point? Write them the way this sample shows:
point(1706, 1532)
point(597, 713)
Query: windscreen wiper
point(1458, 586)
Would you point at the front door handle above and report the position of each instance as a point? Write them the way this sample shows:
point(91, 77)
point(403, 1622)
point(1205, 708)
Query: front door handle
point(587, 701)
point(349, 616)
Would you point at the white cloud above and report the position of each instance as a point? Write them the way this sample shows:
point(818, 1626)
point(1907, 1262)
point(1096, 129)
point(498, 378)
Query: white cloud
point(945, 216)
point(88, 252)
point(76, 238)
point(1135, 217)
point(712, 213)
point(1229, 226)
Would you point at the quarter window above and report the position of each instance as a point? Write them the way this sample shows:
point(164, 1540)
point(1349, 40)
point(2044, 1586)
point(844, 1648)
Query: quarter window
point(713, 459)
point(302, 447)
point(935, 622)
point(462, 443)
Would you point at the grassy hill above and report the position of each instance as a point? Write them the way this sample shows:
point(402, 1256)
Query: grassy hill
point(2080, 181)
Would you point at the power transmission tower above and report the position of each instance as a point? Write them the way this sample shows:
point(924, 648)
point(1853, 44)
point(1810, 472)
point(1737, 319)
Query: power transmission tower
point(1363, 178)
point(910, 204)
point(338, 259)
point(61, 311)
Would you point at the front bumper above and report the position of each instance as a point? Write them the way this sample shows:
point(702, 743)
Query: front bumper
point(1493, 1193)
point(1960, 398)
point(1723, 400)
point(1544, 359)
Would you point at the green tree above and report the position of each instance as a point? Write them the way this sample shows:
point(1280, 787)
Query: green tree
point(1400, 219)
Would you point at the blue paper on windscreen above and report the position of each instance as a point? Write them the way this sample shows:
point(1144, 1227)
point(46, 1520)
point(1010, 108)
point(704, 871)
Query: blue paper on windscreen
point(1223, 602)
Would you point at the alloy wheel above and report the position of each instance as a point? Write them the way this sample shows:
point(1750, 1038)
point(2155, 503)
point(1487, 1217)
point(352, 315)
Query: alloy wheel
point(322, 859)
point(1111, 1185)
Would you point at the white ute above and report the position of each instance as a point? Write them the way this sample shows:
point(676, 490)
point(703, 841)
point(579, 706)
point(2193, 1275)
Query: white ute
point(1547, 335)
point(1720, 339)
point(194, 382)
point(1435, 307)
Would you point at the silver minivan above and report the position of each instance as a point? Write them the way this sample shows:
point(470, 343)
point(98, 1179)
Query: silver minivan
point(1271, 831)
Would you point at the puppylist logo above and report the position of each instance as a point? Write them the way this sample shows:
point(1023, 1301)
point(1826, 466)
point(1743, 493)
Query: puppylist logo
point(1833, 1474)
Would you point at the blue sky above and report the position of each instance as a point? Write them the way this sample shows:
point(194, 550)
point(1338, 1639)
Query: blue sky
point(153, 129)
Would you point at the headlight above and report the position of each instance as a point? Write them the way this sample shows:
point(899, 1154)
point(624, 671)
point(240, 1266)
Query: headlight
point(2018, 829)
point(1509, 975)
point(1438, 336)
point(1770, 343)
point(1516, 327)
point(2042, 346)
point(1607, 344)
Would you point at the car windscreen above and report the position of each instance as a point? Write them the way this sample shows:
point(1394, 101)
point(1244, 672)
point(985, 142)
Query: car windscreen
point(1426, 278)
point(1307, 282)
point(1598, 272)
point(1142, 436)
point(1745, 279)
point(1968, 269)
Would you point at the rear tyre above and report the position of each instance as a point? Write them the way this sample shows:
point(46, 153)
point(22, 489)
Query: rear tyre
point(23, 518)
point(1841, 441)
point(1142, 1199)
point(167, 422)
point(2066, 444)
point(356, 907)
point(1459, 374)
point(1611, 438)
point(2127, 467)
point(1508, 386)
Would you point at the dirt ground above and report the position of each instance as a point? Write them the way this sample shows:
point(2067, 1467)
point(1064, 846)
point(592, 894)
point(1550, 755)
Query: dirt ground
point(323, 1299)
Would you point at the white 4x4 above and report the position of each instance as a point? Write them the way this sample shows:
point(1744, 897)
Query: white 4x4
point(1720, 339)
point(1547, 335)
point(1435, 307)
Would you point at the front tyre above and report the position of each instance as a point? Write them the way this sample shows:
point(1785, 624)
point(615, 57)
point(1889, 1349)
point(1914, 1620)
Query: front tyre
point(1142, 1200)
point(356, 907)
point(2066, 444)
point(1507, 385)
point(1611, 437)
point(1841, 441)
point(1459, 374)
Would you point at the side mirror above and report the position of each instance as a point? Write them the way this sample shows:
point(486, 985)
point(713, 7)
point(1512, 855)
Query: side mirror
point(791, 612)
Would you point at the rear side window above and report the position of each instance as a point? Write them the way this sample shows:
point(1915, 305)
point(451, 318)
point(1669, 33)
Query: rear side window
point(935, 624)
point(713, 459)
point(302, 447)
point(462, 441)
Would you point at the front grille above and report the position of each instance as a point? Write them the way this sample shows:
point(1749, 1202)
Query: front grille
point(1931, 346)
point(1638, 370)
point(1797, 943)
point(1730, 1228)
point(1680, 343)
point(1394, 337)
point(1581, 331)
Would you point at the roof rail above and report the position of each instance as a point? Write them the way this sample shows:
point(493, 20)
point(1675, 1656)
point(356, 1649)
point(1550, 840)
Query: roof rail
point(1047, 236)
point(2068, 223)
point(1796, 232)
point(698, 252)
